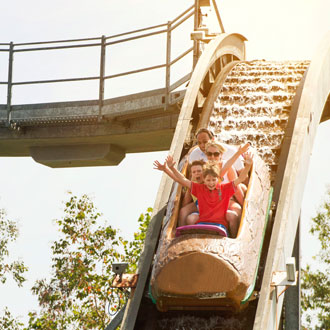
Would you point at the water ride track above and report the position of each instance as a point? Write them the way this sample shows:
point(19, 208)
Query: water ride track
point(277, 106)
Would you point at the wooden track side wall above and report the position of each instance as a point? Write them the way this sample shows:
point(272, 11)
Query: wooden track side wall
point(232, 44)
point(312, 104)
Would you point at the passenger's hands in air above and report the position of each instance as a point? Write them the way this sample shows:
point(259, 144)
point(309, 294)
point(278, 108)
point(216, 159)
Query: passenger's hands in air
point(159, 166)
point(248, 157)
point(244, 148)
point(169, 161)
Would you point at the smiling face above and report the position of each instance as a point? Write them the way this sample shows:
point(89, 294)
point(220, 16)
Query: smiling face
point(202, 139)
point(197, 173)
point(210, 181)
point(213, 154)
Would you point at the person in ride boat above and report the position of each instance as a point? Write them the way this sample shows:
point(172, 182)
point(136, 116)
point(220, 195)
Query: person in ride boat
point(189, 202)
point(213, 197)
point(203, 136)
point(214, 152)
point(189, 213)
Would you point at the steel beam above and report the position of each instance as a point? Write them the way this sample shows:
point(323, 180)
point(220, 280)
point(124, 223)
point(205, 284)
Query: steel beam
point(115, 322)
point(134, 123)
point(292, 300)
point(10, 82)
point(150, 244)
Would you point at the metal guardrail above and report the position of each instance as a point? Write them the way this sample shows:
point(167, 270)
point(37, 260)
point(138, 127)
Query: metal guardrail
point(102, 42)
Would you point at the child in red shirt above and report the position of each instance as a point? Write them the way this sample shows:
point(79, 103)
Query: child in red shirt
point(213, 198)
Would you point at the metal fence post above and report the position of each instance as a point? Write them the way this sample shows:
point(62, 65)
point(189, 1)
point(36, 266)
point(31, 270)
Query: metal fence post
point(102, 72)
point(168, 65)
point(10, 82)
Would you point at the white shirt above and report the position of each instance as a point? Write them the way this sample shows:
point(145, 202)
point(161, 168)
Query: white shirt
point(198, 154)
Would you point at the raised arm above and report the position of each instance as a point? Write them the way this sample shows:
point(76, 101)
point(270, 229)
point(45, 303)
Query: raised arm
point(241, 150)
point(179, 177)
point(246, 169)
point(162, 167)
point(172, 172)
point(232, 174)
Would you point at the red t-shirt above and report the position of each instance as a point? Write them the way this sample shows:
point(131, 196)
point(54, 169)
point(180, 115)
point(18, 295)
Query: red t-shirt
point(213, 205)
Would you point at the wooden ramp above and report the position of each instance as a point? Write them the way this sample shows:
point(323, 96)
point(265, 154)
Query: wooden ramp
point(282, 126)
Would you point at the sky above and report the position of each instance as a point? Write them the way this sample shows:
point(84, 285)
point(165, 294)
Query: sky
point(32, 194)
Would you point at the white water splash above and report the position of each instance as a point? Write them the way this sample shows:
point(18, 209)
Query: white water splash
point(254, 105)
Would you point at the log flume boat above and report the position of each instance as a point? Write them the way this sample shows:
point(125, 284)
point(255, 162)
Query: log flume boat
point(198, 268)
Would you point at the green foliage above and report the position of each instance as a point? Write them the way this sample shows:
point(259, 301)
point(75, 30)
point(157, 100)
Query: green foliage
point(79, 295)
point(9, 233)
point(134, 249)
point(7, 321)
point(316, 284)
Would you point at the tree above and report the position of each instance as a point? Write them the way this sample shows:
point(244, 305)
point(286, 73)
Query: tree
point(79, 295)
point(316, 284)
point(15, 269)
point(8, 234)
point(8, 321)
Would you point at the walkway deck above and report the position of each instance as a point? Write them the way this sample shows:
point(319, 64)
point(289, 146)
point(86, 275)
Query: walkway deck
point(128, 124)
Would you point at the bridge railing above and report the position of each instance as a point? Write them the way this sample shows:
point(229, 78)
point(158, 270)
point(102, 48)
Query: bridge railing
point(103, 43)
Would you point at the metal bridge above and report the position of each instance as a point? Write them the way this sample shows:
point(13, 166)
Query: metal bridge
point(101, 131)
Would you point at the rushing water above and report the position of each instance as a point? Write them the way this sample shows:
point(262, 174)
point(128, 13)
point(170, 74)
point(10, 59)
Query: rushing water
point(254, 105)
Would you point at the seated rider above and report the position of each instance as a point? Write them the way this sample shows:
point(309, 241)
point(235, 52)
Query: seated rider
point(203, 136)
point(189, 204)
point(189, 214)
point(213, 197)
point(214, 151)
